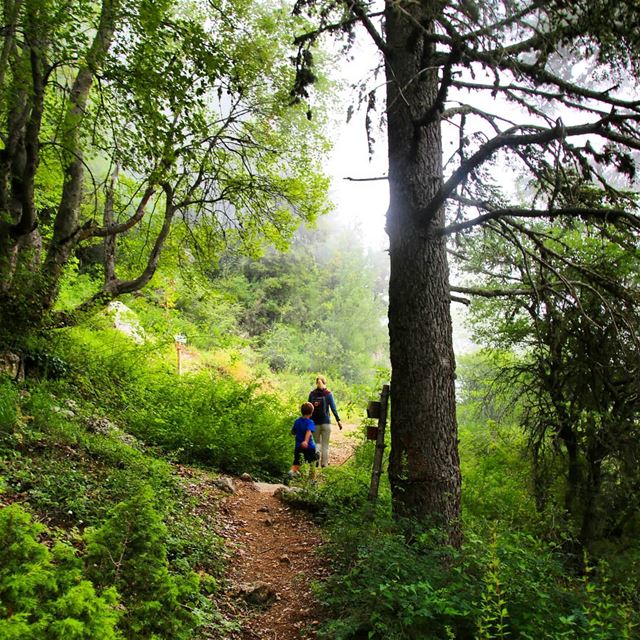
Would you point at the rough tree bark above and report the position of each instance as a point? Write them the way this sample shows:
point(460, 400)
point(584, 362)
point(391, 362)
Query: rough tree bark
point(424, 468)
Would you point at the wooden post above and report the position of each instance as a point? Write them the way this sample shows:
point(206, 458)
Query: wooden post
point(180, 341)
point(377, 458)
point(179, 354)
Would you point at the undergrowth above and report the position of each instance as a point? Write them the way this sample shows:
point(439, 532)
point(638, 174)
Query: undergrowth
point(119, 546)
point(504, 583)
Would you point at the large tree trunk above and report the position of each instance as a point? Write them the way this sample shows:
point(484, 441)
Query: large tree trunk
point(424, 467)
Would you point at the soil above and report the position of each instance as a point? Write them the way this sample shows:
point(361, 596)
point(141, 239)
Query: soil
point(274, 556)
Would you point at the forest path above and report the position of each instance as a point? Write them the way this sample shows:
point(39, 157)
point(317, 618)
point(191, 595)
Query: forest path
point(274, 558)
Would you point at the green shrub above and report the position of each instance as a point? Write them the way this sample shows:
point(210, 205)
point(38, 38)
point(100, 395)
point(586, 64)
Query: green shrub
point(385, 588)
point(8, 406)
point(205, 417)
point(501, 584)
point(129, 552)
point(10, 435)
point(600, 616)
point(68, 472)
point(214, 421)
point(42, 593)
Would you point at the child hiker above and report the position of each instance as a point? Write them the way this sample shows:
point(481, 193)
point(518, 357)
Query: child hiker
point(303, 429)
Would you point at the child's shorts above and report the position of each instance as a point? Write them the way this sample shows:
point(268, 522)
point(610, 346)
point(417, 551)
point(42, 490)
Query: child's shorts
point(310, 455)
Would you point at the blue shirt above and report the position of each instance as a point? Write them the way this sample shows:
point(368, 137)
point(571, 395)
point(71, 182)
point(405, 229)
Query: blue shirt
point(299, 430)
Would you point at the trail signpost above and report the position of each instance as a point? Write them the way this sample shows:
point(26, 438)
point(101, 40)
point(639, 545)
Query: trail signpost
point(378, 410)
point(180, 342)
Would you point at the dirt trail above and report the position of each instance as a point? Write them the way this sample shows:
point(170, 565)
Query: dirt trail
point(273, 556)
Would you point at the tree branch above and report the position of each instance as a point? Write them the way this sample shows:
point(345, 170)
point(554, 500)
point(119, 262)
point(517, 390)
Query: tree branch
point(356, 7)
point(492, 293)
point(89, 230)
point(512, 140)
point(541, 75)
point(464, 301)
point(441, 97)
point(517, 212)
point(375, 179)
point(115, 287)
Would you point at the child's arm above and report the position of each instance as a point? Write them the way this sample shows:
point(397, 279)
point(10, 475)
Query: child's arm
point(305, 443)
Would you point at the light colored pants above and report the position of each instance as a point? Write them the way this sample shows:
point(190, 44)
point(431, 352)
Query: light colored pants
point(323, 433)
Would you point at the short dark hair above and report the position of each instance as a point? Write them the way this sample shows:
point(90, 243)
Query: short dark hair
point(306, 409)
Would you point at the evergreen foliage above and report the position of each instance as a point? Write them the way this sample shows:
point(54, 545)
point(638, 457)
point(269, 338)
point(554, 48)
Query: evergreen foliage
point(129, 553)
point(568, 308)
point(43, 593)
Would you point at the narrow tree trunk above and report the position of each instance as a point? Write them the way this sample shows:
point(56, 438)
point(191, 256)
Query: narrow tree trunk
point(424, 468)
point(572, 495)
point(591, 495)
point(65, 225)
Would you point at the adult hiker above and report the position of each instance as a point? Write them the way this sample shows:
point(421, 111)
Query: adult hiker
point(323, 405)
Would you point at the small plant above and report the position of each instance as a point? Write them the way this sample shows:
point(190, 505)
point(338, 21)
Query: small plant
point(492, 621)
point(42, 592)
point(8, 409)
point(600, 617)
point(129, 552)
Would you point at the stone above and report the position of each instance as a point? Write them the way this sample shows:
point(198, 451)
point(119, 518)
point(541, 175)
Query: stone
point(259, 593)
point(104, 426)
point(128, 439)
point(67, 413)
point(245, 477)
point(266, 487)
point(11, 364)
point(224, 483)
point(282, 492)
point(126, 321)
point(100, 425)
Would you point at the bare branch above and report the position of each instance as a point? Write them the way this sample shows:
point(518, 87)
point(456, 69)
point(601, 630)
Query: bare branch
point(114, 288)
point(360, 12)
point(91, 231)
point(443, 89)
point(375, 179)
point(607, 215)
point(483, 292)
point(511, 139)
point(464, 301)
